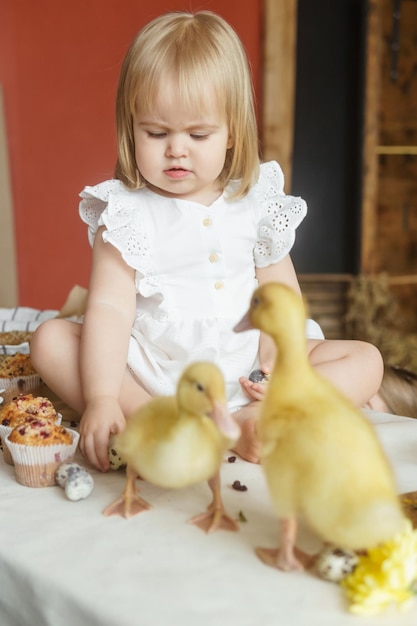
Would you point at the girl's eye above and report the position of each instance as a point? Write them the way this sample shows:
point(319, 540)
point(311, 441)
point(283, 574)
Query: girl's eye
point(155, 135)
point(198, 137)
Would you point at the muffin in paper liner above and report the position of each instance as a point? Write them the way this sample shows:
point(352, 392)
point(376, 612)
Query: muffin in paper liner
point(6, 430)
point(36, 465)
point(20, 386)
point(17, 375)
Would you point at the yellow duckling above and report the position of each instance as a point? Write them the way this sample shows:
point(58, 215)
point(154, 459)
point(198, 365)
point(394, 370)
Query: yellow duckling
point(180, 440)
point(321, 457)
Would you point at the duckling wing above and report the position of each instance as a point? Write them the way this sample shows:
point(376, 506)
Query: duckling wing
point(331, 469)
point(146, 428)
point(192, 453)
point(350, 496)
point(171, 448)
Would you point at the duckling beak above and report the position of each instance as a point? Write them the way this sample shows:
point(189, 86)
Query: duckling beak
point(224, 421)
point(244, 324)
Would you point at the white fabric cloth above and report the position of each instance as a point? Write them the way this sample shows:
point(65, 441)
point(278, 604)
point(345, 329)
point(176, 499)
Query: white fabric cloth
point(63, 563)
point(195, 272)
point(25, 319)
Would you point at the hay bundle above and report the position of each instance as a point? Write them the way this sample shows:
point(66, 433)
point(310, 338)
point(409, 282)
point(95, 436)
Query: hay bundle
point(374, 315)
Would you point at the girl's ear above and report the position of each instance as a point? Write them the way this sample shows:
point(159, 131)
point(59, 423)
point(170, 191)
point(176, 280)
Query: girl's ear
point(230, 142)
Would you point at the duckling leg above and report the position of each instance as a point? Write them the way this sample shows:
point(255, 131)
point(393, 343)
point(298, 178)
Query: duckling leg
point(288, 557)
point(215, 517)
point(129, 503)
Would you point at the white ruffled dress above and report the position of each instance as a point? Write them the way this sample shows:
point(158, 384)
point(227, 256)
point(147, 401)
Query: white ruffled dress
point(195, 273)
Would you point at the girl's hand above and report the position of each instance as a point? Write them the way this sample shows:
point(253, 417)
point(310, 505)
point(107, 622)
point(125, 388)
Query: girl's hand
point(255, 391)
point(102, 418)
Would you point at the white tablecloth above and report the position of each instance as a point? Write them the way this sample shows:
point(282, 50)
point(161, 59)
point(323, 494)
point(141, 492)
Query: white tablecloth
point(63, 563)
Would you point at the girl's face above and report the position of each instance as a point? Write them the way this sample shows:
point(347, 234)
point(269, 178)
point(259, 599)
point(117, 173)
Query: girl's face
point(179, 152)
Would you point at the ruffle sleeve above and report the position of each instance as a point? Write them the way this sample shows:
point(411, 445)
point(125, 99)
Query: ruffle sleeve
point(111, 205)
point(279, 216)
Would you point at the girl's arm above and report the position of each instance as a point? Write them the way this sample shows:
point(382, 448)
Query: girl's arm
point(105, 337)
point(282, 272)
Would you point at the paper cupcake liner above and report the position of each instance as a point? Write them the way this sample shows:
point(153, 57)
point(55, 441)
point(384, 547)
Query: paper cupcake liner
point(20, 386)
point(6, 430)
point(36, 465)
point(6, 452)
point(22, 348)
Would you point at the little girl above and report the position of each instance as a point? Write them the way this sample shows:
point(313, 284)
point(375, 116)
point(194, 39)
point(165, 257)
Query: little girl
point(190, 225)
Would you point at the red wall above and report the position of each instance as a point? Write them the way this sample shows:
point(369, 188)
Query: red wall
point(59, 64)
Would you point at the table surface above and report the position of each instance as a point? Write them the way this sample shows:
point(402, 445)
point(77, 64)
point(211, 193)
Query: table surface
point(64, 563)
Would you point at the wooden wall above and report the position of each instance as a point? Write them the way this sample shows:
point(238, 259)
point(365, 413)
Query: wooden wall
point(397, 149)
point(389, 203)
point(279, 69)
point(389, 209)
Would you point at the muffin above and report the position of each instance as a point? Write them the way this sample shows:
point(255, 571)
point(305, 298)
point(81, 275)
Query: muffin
point(38, 447)
point(15, 365)
point(15, 337)
point(40, 431)
point(16, 411)
point(17, 375)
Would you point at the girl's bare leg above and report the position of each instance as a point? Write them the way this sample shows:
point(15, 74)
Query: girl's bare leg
point(248, 445)
point(54, 350)
point(356, 368)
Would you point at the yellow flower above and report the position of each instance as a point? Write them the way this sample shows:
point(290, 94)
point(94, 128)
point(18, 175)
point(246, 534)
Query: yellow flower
point(385, 575)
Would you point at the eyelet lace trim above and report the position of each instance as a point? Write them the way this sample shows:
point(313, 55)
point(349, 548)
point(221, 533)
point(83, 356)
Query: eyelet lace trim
point(111, 205)
point(281, 216)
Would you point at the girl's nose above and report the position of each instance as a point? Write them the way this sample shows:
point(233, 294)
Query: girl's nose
point(176, 147)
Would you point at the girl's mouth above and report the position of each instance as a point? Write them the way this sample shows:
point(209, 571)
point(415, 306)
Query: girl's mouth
point(176, 173)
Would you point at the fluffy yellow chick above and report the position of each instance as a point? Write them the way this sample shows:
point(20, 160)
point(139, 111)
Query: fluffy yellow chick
point(180, 440)
point(321, 457)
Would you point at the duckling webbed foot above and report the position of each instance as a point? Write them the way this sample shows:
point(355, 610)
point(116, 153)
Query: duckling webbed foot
point(215, 518)
point(129, 503)
point(286, 558)
point(274, 557)
point(127, 507)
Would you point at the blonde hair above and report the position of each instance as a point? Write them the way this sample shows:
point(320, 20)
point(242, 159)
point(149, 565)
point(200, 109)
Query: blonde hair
point(399, 391)
point(197, 50)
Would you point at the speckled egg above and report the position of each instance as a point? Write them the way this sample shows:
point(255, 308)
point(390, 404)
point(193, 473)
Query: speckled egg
point(115, 460)
point(258, 376)
point(334, 564)
point(68, 470)
point(79, 486)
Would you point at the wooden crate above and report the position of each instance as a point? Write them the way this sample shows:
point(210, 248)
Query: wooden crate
point(326, 297)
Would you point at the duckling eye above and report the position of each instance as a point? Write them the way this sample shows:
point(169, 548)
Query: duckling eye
point(256, 301)
point(199, 386)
